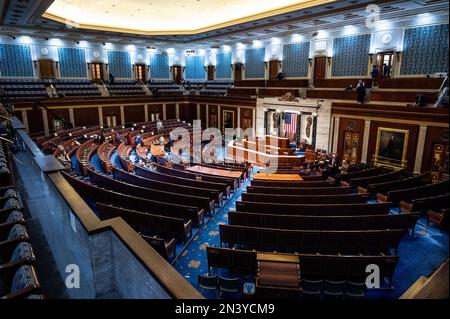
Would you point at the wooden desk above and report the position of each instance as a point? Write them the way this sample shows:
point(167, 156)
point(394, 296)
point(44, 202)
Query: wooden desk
point(214, 171)
point(157, 150)
point(277, 177)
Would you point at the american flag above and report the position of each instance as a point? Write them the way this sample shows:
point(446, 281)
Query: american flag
point(290, 123)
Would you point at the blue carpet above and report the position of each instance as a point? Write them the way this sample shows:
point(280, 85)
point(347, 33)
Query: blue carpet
point(95, 161)
point(419, 256)
point(75, 165)
point(115, 160)
point(193, 261)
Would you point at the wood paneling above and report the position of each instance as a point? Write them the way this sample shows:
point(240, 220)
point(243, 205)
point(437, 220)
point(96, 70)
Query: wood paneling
point(435, 135)
point(213, 116)
point(411, 83)
point(35, 121)
point(62, 113)
point(250, 83)
point(412, 140)
point(353, 126)
point(158, 108)
point(188, 112)
point(288, 83)
point(401, 96)
point(112, 111)
point(400, 112)
point(203, 114)
point(177, 74)
point(276, 92)
point(134, 113)
point(171, 111)
point(86, 116)
point(331, 94)
point(241, 92)
point(340, 83)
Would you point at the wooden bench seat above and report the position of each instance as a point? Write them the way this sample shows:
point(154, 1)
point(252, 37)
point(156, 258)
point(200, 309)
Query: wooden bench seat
point(101, 195)
point(305, 199)
point(405, 221)
point(166, 227)
point(409, 194)
point(303, 241)
point(126, 177)
point(299, 190)
point(314, 209)
point(312, 266)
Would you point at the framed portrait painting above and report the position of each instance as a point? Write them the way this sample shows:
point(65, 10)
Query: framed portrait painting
point(392, 146)
point(227, 120)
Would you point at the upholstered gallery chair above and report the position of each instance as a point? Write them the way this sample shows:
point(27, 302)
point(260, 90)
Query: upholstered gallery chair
point(11, 260)
point(7, 192)
point(22, 284)
point(11, 218)
point(10, 237)
point(9, 204)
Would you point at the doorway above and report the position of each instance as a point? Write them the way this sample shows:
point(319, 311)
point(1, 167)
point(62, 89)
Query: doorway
point(176, 73)
point(320, 68)
point(385, 63)
point(97, 71)
point(141, 72)
point(211, 70)
point(46, 69)
point(238, 71)
point(274, 68)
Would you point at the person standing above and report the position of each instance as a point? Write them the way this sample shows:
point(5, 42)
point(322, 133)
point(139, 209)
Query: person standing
point(375, 72)
point(361, 92)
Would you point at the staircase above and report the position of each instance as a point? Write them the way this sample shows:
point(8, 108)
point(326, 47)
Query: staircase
point(102, 88)
point(145, 88)
point(51, 91)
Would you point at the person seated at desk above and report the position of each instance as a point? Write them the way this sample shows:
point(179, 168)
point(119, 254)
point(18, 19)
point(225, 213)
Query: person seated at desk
point(129, 140)
point(150, 156)
point(161, 140)
point(138, 140)
point(134, 158)
point(101, 137)
point(64, 158)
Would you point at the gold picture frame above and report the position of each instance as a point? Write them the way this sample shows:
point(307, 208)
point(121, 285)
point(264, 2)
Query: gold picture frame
point(391, 147)
point(227, 120)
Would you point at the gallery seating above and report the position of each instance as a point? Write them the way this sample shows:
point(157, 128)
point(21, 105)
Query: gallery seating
point(308, 241)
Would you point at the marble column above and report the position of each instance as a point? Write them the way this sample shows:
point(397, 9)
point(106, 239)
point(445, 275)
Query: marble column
point(365, 145)
point(420, 148)
point(336, 134)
